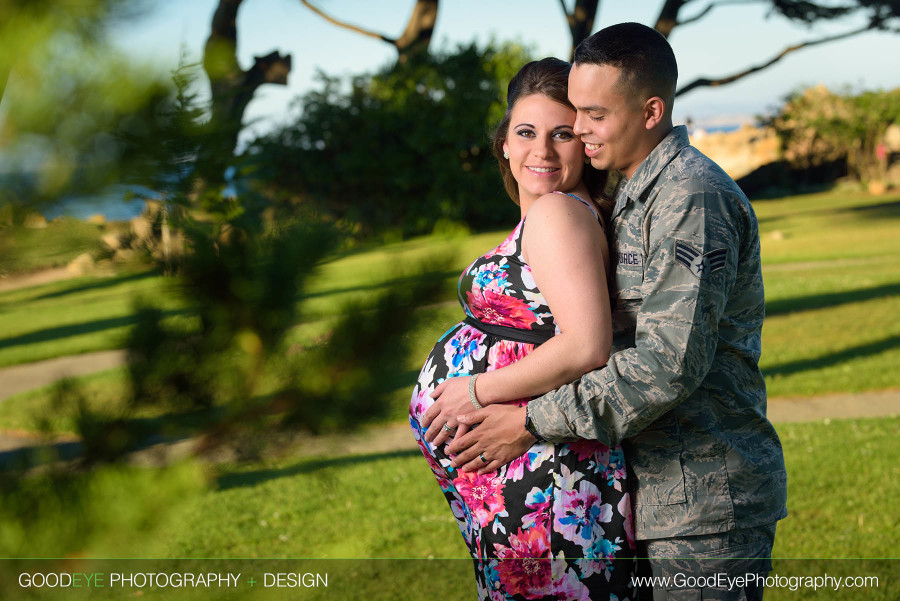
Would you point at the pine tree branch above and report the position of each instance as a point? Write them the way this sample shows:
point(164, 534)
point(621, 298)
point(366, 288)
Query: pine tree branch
point(344, 25)
point(706, 82)
point(668, 17)
point(712, 5)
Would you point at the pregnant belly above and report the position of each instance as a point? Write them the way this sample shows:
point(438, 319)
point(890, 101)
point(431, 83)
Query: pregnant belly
point(461, 351)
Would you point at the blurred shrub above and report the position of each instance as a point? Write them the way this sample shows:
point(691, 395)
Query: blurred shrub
point(245, 262)
point(401, 148)
point(819, 127)
point(67, 92)
point(108, 511)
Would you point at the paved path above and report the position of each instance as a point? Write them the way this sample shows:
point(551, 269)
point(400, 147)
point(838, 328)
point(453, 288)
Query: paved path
point(20, 378)
point(44, 276)
point(377, 439)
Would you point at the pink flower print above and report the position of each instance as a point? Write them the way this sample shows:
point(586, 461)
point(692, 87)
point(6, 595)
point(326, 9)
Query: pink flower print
point(508, 247)
point(580, 513)
point(600, 558)
point(500, 309)
point(528, 278)
point(440, 472)
point(524, 567)
point(491, 276)
point(613, 467)
point(539, 502)
point(583, 449)
point(506, 352)
point(461, 351)
point(483, 494)
point(569, 587)
point(624, 508)
point(530, 461)
point(420, 402)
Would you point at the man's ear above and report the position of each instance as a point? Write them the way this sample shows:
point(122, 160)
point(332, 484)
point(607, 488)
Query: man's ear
point(654, 111)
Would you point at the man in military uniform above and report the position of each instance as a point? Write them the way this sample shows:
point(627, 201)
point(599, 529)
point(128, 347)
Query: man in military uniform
point(682, 391)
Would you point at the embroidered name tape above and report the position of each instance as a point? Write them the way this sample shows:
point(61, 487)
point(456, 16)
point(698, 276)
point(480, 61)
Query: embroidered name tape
point(700, 265)
point(630, 257)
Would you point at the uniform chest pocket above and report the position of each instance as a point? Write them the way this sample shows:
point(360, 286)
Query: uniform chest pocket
point(629, 275)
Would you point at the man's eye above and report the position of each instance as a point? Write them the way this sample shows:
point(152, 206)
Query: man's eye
point(596, 117)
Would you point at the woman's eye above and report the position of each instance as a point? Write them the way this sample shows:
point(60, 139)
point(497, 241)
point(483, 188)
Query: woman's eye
point(525, 133)
point(564, 135)
point(596, 117)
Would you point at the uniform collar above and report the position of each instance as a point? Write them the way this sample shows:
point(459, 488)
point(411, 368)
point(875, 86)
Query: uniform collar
point(659, 157)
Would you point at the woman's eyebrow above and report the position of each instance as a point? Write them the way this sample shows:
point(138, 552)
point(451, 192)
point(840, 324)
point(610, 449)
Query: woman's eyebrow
point(525, 125)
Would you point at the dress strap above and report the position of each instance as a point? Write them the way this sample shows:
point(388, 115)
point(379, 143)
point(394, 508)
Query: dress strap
point(589, 205)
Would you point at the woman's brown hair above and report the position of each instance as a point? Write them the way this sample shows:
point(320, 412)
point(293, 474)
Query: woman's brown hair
point(549, 77)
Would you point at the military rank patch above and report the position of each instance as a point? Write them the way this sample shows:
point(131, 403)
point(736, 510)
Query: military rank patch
point(700, 265)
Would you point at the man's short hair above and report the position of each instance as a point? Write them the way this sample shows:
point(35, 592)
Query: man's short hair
point(643, 56)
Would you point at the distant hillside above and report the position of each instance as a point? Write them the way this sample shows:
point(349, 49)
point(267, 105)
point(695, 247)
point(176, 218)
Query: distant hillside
point(741, 151)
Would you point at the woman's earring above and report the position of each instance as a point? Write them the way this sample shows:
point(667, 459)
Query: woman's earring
point(587, 160)
point(505, 154)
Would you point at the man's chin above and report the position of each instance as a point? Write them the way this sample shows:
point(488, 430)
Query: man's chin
point(599, 164)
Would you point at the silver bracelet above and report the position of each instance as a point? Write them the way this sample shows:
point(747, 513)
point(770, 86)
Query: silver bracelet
point(472, 392)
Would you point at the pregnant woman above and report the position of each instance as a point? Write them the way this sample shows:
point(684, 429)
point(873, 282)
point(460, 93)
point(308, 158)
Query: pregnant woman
point(554, 522)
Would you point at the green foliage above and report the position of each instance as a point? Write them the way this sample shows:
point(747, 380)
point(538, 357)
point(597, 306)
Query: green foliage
point(402, 148)
point(107, 512)
point(243, 265)
point(818, 126)
point(68, 93)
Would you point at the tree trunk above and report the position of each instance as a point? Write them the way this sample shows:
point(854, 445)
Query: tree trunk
point(668, 17)
point(232, 88)
point(417, 36)
point(581, 22)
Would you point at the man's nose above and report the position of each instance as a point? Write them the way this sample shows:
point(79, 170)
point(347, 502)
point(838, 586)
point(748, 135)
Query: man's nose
point(579, 127)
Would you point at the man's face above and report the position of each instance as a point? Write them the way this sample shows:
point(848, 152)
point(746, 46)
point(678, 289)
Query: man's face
point(611, 125)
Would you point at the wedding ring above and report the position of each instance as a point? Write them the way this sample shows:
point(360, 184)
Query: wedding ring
point(483, 459)
point(447, 428)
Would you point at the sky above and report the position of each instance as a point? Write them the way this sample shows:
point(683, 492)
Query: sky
point(727, 39)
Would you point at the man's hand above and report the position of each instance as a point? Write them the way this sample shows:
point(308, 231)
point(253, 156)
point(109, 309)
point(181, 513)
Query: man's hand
point(451, 398)
point(500, 437)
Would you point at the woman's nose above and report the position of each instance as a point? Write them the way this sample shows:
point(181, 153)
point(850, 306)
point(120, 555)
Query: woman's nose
point(544, 147)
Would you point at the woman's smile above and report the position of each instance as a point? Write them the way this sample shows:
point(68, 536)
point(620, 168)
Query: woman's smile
point(542, 171)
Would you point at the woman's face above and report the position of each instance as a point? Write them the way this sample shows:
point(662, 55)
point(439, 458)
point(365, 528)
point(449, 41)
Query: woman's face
point(545, 155)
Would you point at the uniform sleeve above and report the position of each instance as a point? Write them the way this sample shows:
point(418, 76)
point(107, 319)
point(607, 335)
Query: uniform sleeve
point(693, 243)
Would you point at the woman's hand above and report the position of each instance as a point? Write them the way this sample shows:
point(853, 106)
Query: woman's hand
point(499, 438)
point(451, 399)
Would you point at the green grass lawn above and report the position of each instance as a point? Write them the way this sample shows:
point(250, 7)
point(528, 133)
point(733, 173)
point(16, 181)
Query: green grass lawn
point(23, 249)
point(829, 263)
point(832, 289)
point(384, 515)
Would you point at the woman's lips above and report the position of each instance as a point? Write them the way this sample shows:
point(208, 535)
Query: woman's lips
point(542, 171)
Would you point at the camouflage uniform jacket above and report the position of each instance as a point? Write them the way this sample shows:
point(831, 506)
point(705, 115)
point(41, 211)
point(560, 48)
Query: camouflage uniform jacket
point(682, 391)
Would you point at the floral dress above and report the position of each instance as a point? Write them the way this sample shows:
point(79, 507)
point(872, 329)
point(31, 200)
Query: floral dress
point(556, 522)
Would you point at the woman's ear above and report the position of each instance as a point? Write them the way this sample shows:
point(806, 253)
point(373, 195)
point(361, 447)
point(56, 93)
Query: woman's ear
point(654, 111)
